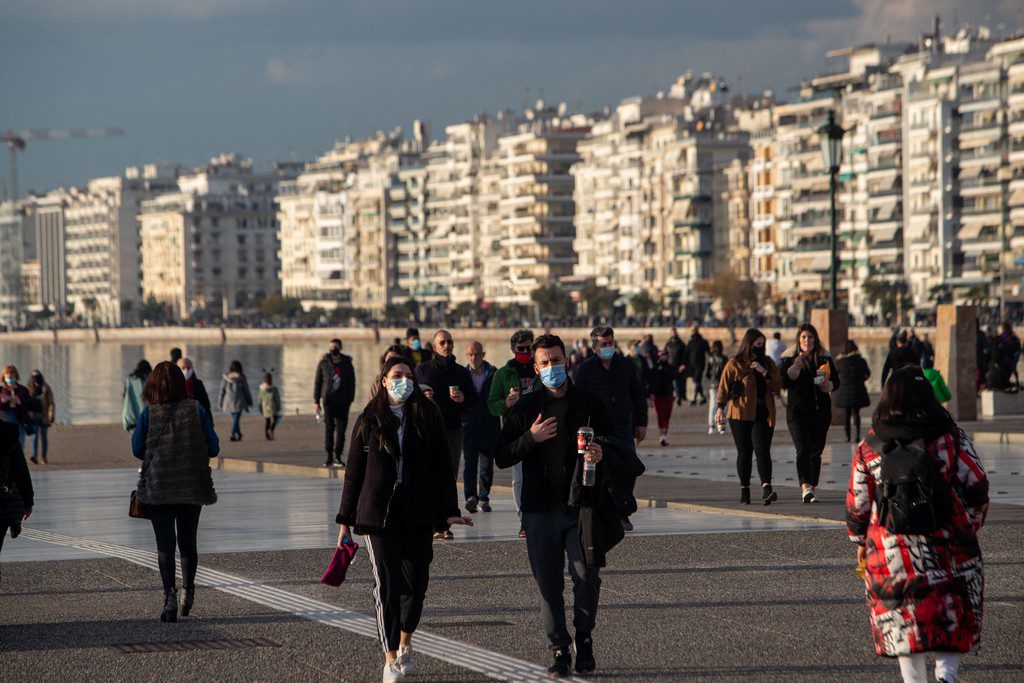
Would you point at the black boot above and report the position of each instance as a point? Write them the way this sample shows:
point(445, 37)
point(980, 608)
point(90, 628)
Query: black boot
point(745, 495)
point(767, 495)
point(190, 598)
point(170, 613)
point(563, 662)
point(585, 663)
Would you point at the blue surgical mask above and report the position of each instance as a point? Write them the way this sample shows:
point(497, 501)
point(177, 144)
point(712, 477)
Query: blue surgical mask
point(416, 346)
point(606, 353)
point(400, 389)
point(9, 380)
point(553, 376)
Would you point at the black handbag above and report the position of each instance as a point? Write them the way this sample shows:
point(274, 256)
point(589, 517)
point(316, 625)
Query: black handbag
point(135, 507)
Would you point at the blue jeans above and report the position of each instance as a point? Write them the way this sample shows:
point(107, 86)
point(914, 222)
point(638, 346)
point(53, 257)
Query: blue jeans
point(234, 423)
point(39, 440)
point(517, 488)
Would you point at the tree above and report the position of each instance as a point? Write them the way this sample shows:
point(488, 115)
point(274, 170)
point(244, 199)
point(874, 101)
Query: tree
point(279, 306)
point(151, 309)
point(643, 304)
point(599, 301)
point(732, 293)
point(891, 298)
point(552, 300)
point(91, 305)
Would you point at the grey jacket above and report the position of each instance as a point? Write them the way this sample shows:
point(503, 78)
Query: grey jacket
point(235, 396)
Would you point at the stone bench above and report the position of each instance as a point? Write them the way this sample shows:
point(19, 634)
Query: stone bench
point(995, 403)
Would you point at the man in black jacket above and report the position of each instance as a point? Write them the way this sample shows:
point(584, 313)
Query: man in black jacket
point(676, 349)
point(479, 431)
point(540, 432)
point(453, 392)
point(333, 392)
point(614, 378)
point(194, 386)
point(697, 355)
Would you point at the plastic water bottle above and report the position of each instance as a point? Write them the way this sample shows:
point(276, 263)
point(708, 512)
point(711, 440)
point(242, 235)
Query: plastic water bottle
point(319, 418)
point(589, 473)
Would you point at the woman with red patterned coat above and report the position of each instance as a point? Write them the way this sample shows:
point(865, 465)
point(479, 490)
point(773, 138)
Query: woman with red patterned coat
point(925, 592)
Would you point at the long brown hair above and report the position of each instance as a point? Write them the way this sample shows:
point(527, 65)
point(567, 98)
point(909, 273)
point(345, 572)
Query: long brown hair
point(746, 350)
point(908, 397)
point(421, 413)
point(166, 384)
point(807, 327)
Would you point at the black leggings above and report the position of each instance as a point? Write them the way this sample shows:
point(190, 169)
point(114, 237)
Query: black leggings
point(164, 519)
point(753, 437)
point(853, 415)
point(809, 429)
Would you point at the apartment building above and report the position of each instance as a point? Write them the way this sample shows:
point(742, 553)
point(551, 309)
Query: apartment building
point(211, 249)
point(11, 230)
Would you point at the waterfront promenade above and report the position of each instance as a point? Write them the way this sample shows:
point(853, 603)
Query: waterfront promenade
point(703, 590)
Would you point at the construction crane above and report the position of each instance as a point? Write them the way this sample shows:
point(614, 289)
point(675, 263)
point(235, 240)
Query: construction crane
point(16, 143)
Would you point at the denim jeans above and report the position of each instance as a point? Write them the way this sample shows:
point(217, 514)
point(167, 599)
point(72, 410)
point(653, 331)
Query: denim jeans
point(40, 445)
point(234, 423)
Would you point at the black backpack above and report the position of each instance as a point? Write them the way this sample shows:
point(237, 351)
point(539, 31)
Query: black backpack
point(914, 498)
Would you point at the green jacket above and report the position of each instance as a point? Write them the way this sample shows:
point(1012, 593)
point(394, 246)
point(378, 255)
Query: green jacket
point(505, 378)
point(942, 392)
point(270, 401)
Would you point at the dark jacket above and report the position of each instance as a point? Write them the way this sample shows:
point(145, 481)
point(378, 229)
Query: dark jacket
point(619, 387)
point(715, 367)
point(371, 476)
point(440, 373)
point(897, 358)
point(662, 380)
point(853, 375)
point(479, 420)
point(516, 445)
point(324, 376)
point(16, 494)
point(676, 351)
point(697, 354)
point(608, 502)
point(199, 394)
point(802, 393)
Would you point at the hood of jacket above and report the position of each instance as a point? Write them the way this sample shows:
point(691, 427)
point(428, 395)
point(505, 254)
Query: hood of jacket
point(233, 377)
point(852, 354)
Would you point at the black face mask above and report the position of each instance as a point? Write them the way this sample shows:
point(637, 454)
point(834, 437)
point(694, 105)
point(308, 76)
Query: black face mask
point(758, 351)
point(335, 353)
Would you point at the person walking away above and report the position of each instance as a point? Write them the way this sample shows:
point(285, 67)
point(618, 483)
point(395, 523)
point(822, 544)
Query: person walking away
point(42, 415)
point(927, 352)
point(175, 355)
point(775, 347)
point(417, 352)
point(809, 377)
point(1003, 363)
point(270, 405)
point(194, 386)
point(746, 394)
point(16, 494)
point(511, 382)
point(479, 432)
point(852, 394)
point(334, 389)
point(923, 578)
point(615, 380)
point(174, 438)
point(982, 355)
point(713, 374)
point(677, 357)
point(661, 387)
point(697, 355)
point(235, 397)
point(453, 395)
point(131, 396)
point(898, 356)
point(934, 377)
point(399, 487)
point(540, 432)
point(16, 403)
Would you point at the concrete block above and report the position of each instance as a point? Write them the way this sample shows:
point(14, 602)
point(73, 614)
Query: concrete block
point(1001, 403)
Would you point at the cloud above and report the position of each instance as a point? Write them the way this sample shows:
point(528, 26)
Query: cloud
point(298, 72)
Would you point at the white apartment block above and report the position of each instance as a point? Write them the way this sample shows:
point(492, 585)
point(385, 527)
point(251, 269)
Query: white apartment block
point(11, 257)
point(211, 247)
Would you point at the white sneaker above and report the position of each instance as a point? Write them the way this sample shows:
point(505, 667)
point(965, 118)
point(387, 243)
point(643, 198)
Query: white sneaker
point(405, 659)
point(392, 672)
point(711, 430)
point(663, 441)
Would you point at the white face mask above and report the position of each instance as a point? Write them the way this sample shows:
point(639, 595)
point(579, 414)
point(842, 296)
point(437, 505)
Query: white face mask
point(188, 373)
point(400, 389)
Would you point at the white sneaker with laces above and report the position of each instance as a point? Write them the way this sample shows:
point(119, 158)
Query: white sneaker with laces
point(405, 659)
point(392, 672)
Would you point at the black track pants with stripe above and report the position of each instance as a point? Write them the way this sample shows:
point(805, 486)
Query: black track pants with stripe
point(400, 562)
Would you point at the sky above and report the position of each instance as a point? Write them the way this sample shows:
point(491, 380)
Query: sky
point(282, 79)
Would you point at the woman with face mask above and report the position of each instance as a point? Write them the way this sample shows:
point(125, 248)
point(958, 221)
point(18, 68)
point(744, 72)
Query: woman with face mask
point(399, 489)
point(15, 402)
point(746, 396)
point(809, 376)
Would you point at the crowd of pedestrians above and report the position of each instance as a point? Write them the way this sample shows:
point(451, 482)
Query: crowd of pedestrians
point(552, 414)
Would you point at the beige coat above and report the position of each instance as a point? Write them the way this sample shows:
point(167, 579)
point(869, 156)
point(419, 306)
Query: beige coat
point(745, 407)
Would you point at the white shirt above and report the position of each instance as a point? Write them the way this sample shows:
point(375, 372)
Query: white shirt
point(774, 348)
point(399, 412)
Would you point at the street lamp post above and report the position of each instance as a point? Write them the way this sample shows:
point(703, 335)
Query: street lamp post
point(831, 138)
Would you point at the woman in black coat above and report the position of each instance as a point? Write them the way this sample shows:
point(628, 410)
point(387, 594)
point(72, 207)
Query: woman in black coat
point(399, 489)
point(852, 394)
point(16, 496)
point(809, 376)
